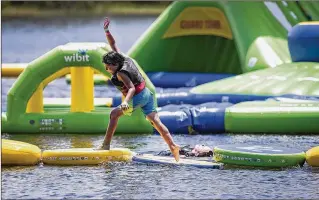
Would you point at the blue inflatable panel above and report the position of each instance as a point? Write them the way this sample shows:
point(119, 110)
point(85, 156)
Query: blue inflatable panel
point(299, 97)
point(164, 91)
point(303, 42)
point(183, 79)
point(185, 97)
point(166, 96)
point(177, 118)
point(209, 117)
point(178, 96)
point(230, 98)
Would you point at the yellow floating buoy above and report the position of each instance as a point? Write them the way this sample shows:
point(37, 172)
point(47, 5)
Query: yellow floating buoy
point(19, 153)
point(312, 157)
point(85, 156)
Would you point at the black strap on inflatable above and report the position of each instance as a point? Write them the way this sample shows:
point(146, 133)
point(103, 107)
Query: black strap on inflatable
point(309, 18)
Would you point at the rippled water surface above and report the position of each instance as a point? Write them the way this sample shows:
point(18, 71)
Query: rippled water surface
point(140, 181)
point(25, 40)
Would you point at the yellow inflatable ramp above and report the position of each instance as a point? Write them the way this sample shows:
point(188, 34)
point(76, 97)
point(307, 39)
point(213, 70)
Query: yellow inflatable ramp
point(19, 153)
point(85, 156)
point(312, 157)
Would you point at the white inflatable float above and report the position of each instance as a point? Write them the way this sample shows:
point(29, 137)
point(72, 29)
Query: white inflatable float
point(154, 159)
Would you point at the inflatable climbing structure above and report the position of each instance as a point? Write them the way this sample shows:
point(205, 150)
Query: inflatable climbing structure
point(27, 113)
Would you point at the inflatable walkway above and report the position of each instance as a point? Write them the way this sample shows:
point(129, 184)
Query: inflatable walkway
point(17, 153)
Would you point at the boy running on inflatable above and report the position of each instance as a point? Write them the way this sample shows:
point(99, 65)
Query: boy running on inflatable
point(127, 78)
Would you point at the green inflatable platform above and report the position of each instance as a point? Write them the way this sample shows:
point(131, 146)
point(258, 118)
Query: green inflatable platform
point(272, 117)
point(292, 78)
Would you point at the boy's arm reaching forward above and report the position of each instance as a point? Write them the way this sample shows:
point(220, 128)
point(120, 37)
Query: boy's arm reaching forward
point(109, 36)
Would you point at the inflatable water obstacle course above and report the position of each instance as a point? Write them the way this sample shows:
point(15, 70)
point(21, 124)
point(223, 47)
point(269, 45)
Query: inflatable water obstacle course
point(263, 78)
point(15, 153)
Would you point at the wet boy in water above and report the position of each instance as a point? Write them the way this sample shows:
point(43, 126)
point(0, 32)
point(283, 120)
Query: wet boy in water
point(127, 78)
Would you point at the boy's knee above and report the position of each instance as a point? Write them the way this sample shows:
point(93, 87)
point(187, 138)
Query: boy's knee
point(116, 113)
point(155, 120)
point(151, 117)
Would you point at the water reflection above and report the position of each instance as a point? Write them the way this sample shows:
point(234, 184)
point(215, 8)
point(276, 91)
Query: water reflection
point(23, 40)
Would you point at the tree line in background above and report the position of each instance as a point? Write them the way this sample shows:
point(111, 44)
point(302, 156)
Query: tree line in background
point(79, 4)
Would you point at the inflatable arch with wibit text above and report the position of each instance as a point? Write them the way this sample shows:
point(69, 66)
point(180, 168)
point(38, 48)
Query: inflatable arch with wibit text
point(26, 111)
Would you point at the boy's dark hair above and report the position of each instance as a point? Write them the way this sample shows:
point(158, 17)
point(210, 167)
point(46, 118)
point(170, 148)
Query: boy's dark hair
point(113, 58)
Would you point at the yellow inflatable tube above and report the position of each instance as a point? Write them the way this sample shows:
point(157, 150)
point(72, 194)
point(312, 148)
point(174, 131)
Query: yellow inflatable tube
point(85, 156)
point(19, 153)
point(312, 157)
point(12, 69)
point(15, 69)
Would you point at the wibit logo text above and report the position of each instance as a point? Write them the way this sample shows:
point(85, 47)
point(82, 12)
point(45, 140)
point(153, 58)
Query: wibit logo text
point(80, 56)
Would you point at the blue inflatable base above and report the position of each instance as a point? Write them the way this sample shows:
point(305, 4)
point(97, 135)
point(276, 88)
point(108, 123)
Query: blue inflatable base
point(187, 113)
point(303, 42)
point(183, 79)
point(190, 119)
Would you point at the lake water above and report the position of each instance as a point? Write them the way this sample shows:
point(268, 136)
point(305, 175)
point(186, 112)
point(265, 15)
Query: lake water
point(26, 39)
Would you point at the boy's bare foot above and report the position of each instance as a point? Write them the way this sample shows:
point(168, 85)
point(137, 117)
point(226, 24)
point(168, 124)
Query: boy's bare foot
point(103, 147)
point(175, 152)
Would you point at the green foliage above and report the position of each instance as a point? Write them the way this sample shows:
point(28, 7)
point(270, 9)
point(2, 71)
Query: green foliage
point(67, 8)
point(80, 4)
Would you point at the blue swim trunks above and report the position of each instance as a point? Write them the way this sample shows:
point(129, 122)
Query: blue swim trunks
point(143, 100)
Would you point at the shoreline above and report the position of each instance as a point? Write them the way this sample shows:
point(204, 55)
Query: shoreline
point(19, 12)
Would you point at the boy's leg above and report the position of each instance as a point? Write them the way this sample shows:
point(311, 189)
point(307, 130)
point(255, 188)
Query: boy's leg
point(162, 129)
point(114, 117)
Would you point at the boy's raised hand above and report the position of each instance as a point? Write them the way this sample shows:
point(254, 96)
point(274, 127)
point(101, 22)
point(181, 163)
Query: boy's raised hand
point(106, 24)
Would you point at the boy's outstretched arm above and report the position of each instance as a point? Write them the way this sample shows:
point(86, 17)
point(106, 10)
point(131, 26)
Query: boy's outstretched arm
point(109, 36)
